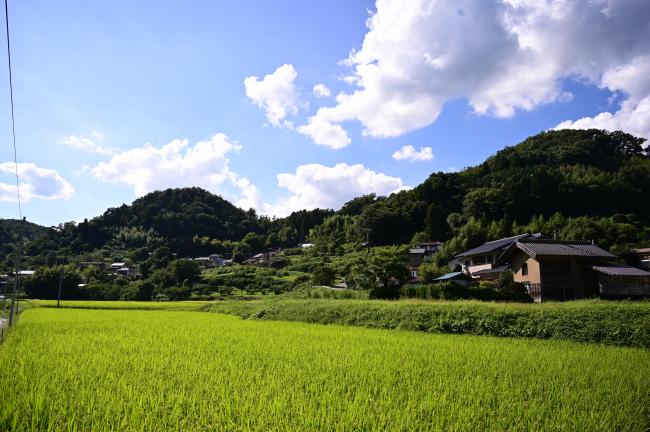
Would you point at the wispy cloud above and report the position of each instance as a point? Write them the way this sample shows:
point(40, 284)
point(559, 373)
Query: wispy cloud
point(89, 144)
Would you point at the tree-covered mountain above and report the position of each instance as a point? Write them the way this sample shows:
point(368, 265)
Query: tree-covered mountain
point(579, 183)
point(572, 172)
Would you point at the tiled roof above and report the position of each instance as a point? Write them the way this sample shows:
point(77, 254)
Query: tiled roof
point(535, 248)
point(493, 245)
point(620, 270)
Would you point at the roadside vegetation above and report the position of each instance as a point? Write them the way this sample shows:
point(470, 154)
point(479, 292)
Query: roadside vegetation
point(166, 370)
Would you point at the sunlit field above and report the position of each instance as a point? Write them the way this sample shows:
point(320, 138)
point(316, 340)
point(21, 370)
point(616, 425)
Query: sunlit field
point(125, 305)
point(81, 369)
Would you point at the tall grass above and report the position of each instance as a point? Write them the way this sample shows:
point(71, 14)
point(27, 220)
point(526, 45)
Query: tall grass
point(135, 370)
point(614, 323)
point(326, 293)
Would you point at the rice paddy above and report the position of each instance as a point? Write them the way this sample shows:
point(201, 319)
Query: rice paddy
point(80, 369)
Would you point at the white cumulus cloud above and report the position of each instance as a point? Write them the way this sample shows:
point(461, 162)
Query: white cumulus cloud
point(178, 164)
point(500, 55)
point(633, 116)
point(206, 164)
point(35, 183)
point(318, 186)
point(276, 94)
point(87, 144)
point(321, 90)
point(408, 152)
point(325, 133)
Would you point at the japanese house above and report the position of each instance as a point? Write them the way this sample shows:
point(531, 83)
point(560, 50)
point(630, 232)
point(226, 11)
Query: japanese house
point(482, 262)
point(564, 270)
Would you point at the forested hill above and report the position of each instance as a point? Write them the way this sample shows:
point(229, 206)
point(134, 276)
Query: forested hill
point(568, 172)
point(185, 222)
point(547, 182)
point(173, 217)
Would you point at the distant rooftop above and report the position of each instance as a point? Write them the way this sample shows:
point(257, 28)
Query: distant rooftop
point(620, 270)
point(495, 245)
point(538, 247)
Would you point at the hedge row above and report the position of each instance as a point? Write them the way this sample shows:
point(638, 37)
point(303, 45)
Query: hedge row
point(622, 323)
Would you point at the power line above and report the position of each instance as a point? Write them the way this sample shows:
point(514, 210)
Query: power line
point(11, 98)
point(12, 312)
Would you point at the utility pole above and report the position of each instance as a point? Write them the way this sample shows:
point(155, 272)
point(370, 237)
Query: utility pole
point(13, 307)
point(58, 296)
point(367, 230)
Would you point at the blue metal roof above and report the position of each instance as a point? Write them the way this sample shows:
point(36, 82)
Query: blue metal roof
point(449, 276)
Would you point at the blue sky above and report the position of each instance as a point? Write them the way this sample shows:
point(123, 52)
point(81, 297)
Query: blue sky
point(106, 92)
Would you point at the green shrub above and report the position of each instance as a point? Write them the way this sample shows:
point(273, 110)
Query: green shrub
point(323, 275)
point(614, 323)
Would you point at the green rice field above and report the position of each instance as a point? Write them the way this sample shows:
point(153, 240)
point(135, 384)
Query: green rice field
point(123, 370)
point(125, 305)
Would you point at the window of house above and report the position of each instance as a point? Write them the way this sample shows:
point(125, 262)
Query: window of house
point(524, 269)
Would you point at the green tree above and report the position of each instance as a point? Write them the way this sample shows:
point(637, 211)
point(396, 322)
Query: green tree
point(428, 271)
point(44, 284)
point(185, 270)
point(435, 223)
point(323, 275)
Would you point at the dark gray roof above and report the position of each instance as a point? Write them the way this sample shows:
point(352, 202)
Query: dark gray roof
point(535, 248)
point(494, 245)
point(620, 270)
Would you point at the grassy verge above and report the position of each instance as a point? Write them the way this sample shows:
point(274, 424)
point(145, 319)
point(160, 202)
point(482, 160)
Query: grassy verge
point(613, 323)
point(124, 305)
point(167, 370)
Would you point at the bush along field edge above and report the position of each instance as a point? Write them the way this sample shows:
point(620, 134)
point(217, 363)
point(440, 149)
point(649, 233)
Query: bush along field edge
point(624, 325)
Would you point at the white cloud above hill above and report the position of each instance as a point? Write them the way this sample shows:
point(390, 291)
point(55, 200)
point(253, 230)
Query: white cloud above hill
point(633, 116)
point(206, 164)
point(176, 164)
point(501, 55)
point(35, 183)
point(318, 186)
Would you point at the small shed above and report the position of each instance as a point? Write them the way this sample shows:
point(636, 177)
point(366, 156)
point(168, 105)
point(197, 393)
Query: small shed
point(617, 280)
point(458, 277)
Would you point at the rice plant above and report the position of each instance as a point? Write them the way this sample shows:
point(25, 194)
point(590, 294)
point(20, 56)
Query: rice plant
point(74, 369)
